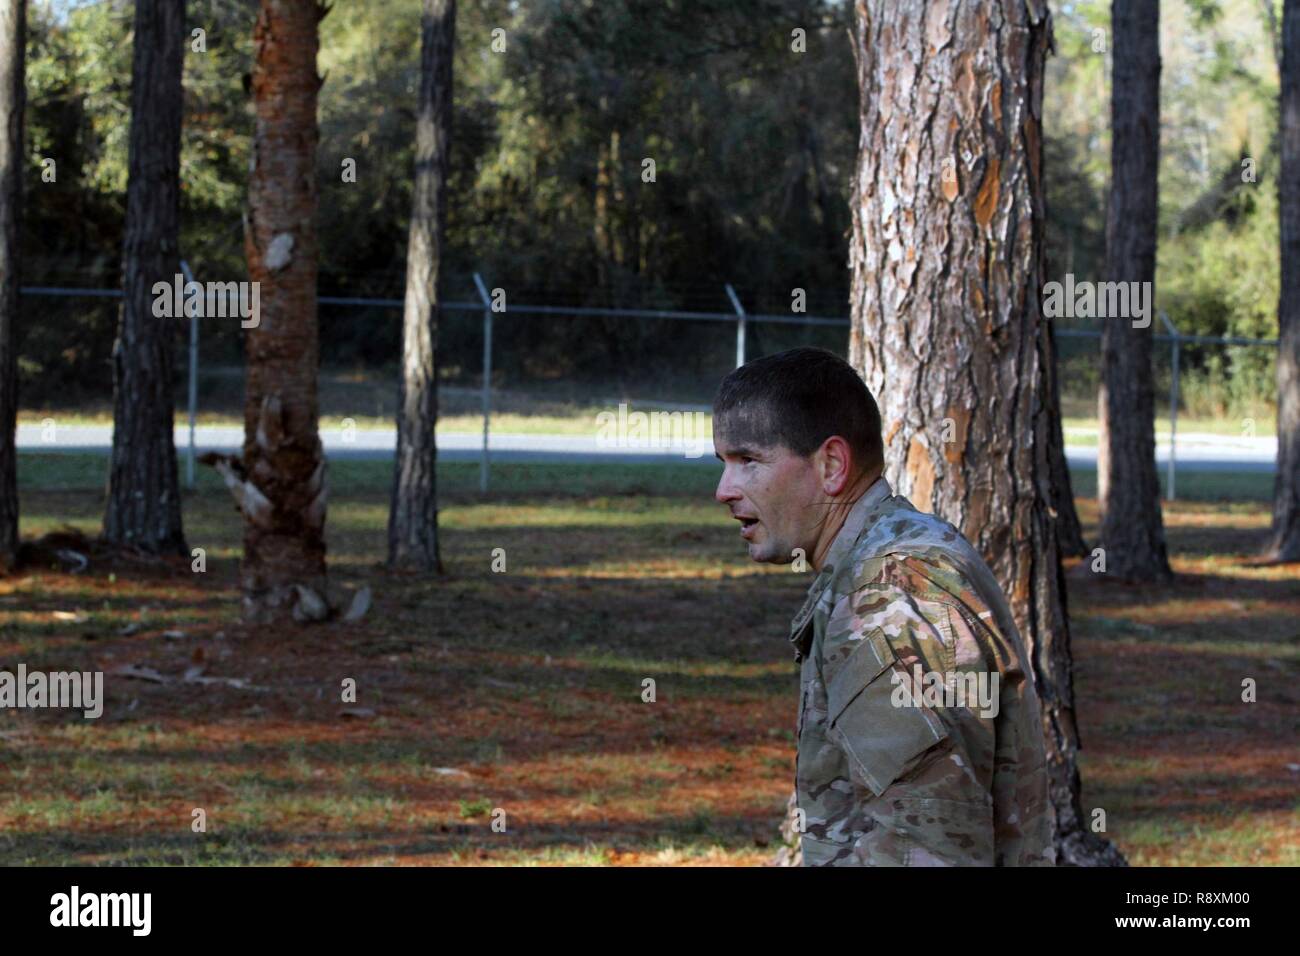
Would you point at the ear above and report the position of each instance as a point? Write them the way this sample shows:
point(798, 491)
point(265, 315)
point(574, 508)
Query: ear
point(835, 465)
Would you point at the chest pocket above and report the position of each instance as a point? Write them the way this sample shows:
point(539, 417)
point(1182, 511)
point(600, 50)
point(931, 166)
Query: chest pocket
point(879, 737)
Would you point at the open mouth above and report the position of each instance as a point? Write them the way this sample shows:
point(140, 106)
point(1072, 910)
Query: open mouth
point(746, 524)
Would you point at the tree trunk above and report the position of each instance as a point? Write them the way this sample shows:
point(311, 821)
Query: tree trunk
point(1284, 543)
point(413, 514)
point(13, 47)
point(283, 488)
point(1069, 530)
point(948, 329)
point(1132, 531)
point(144, 501)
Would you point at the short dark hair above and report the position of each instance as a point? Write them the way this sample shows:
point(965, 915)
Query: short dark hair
point(799, 398)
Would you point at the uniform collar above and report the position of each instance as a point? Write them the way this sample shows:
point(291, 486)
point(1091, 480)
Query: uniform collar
point(859, 518)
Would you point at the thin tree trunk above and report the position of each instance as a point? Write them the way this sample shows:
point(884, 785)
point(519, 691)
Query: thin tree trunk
point(1132, 530)
point(1069, 529)
point(948, 330)
point(144, 501)
point(1284, 542)
point(413, 514)
point(13, 46)
point(283, 488)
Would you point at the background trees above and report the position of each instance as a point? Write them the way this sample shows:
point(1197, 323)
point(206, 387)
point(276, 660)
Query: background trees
point(413, 512)
point(753, 144)
point(280, 483)
point(13, 32)
point(144, 503)
point(1284, 542)
point(1132, 532)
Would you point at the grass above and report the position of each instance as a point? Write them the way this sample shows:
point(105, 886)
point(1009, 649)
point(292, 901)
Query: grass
point(1211, 486)
point(522, 691)
point(522, 413)
point(367, 402)
point(80, 472)
point(582, 421)
point(577, 485)
point(1084, 432)
point(1079, 420)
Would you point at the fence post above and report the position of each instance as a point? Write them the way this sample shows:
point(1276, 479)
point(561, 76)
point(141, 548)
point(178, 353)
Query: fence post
point(194, 379)
point(483, 467)
point(1173, 403)
point(740, 325)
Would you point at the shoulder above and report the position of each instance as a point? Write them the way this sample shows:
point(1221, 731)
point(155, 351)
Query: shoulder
point(928, 572)
point(878, 606)
point(916, 606)
point(881, 584)
point(899, 526)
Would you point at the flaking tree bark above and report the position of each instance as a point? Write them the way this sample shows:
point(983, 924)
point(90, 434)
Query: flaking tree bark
point(1128, 489)
point(948, 329)
point(280, 483)
point(13, 46)
point(143, 509)
point(1284, 540)
point(413, 512)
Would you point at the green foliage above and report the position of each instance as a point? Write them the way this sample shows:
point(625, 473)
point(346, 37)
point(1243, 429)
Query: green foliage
point(78, 114)
point(753, 146)
point(1217, 268)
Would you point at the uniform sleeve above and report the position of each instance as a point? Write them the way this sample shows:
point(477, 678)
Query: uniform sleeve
point(919, 799)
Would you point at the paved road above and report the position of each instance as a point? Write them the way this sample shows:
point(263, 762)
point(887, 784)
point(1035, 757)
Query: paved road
point(1196, 452)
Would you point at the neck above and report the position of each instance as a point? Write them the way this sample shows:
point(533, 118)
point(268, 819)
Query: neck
point(837, 512)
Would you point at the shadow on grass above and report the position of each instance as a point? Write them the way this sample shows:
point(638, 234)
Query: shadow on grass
point(253, 846)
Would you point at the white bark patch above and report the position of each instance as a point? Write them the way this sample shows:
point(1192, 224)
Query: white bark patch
point(280, 252)
point(270, 425)
point(76, 561)
point(255, 505)
point(359, 606)
point(310, 606)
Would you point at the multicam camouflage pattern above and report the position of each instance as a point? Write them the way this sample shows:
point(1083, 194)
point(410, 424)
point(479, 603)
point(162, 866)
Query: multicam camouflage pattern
point(886, 785)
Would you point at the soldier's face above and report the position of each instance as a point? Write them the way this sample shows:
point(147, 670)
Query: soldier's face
point(772, 492)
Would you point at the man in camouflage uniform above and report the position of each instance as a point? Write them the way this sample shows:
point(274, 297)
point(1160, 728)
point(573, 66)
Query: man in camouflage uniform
point(900, 760)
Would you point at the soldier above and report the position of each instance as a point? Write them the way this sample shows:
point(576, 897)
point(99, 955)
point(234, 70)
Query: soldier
point(920, 740)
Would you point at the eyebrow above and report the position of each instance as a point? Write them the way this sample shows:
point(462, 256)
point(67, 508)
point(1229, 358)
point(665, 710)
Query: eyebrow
point(741, 452)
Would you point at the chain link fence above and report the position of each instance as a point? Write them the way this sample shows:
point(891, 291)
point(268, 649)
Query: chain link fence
point(553, 367)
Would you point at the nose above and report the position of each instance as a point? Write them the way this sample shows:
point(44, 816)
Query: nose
point(725, 492)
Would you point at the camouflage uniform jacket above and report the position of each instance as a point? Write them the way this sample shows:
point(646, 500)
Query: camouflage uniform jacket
point(882, 784)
